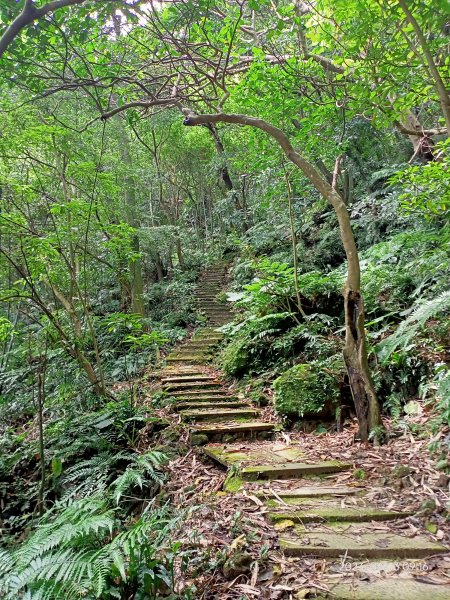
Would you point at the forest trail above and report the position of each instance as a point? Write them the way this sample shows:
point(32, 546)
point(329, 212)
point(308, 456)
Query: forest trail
point(318, 508)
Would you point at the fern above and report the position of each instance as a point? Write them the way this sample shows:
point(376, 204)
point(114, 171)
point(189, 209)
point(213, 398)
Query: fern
point(410, 326)
point(74, 554)
point(142, 469)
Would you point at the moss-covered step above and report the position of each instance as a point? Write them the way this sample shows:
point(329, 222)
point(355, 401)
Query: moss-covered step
point(188, 378)
point(312, 491)
point(233, 428)
point(267, 453)
point(222, 414)
point(194, 405)
point(200, 345)
point(391, 588)
point(326, 512)
point(293, 470)
point(206, 394)
point(210, 334)
point(197, 358)
point(206, 387)
point(329, 544)
point(177, 370)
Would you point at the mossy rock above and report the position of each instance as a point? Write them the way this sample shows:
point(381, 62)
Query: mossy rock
point(307, 390)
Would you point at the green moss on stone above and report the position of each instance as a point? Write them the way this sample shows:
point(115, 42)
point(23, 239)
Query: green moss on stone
point(306, 390)
point(233, 483)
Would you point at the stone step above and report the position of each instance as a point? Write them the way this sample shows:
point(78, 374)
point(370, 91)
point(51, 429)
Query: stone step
point(390, 588)
point(195, 354)
point(212, 394)
point(332, 512)
point(215, 414)
point(197, 404)
point(173, 371)
point(248, 427)
point(202, 342)
point(189, 385)
point(186, 358)
point(316, 491)
point(208, 297)
point(293, 470)
point(194, 347)
point(371, 544)
point(188, 378)
point(211, 334)
point(271, 453)
point(216, 308)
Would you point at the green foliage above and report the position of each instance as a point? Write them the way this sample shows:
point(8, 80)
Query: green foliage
point(426, 188)
point(308, 390)
point(80, 550)
point(250, 348)
point(408, 328)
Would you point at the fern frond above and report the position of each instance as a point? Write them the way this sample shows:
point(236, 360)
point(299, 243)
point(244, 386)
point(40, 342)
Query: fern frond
point(410, 326)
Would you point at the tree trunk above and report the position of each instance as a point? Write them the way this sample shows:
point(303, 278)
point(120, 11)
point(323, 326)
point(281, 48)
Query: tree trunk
point(135, 265)
point(355, 351)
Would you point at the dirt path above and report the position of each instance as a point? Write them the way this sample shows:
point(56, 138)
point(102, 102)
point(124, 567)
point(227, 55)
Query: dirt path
point(317, 511)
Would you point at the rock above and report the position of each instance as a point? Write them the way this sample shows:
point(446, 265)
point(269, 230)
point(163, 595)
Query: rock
point(199, 439)
point(238, 564)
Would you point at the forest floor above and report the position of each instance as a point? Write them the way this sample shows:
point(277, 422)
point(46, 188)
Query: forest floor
point(368, 523)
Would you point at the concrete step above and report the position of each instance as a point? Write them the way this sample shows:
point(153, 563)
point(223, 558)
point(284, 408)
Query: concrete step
point(191, 385)
point(201, 346)
point(246, 428)
point(297, 495)
point(198, 404)
point(219, 414)
point(186, 358)
point(387, 588)
point(334, 512)
point(188, 378)
point(293, 470)
point(210, 394)
point(352, 543)
point(208, 334)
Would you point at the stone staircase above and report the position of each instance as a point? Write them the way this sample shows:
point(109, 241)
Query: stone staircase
point(317, 517)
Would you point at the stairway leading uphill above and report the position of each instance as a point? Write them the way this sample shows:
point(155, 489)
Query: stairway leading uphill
point(317, 517)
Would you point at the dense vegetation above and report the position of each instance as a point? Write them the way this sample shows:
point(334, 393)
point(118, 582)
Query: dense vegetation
point(306, 143)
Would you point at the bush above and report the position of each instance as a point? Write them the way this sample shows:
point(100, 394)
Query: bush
point(307, 390)
point(235, 357)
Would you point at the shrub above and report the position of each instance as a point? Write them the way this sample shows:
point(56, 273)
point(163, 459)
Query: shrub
point(307, 390)
point(235, 357)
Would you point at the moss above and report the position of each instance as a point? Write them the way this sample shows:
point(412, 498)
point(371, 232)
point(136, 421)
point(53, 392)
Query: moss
point(233, 483)
point(307, 390)
point(234, 358)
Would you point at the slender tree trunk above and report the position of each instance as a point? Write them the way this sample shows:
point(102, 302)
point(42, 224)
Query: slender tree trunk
point(294, 245)
point(225, 174)
point(355, 351)
point(135, 265)
point(131, 212)
point(180, 254)
point(40, 406)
